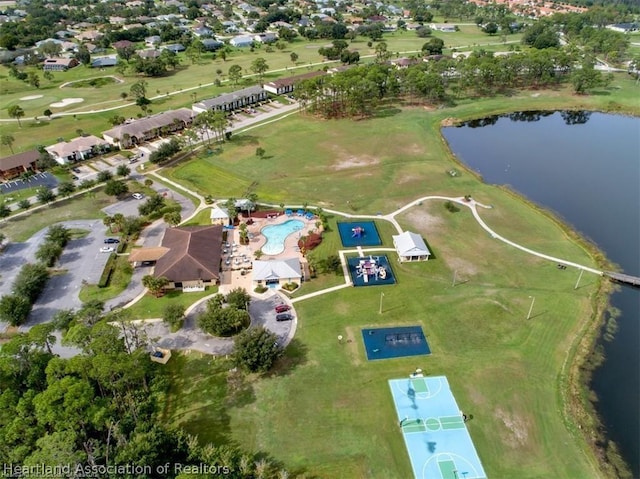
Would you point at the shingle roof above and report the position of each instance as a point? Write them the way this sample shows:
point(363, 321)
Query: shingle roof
point(276, 269)
point(147, 254)
point(229, 97)
point(291, 80)
point(194, 253)
point(20, 159)
point(145, 125)
point(81, 143)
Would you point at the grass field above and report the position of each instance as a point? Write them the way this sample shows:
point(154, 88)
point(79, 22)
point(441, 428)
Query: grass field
point(325, 409)
point(150, 307)
point(188, 83)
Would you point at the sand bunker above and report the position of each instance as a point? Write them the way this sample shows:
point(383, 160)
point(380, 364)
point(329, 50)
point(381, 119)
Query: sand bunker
point(66, 101)
point(31, 97)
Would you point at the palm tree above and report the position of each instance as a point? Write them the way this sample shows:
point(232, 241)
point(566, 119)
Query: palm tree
point(118, 220)
point(16, 112)
point(108, 221)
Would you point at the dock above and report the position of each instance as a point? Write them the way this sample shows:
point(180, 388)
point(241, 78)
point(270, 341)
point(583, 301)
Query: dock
point(623, 278)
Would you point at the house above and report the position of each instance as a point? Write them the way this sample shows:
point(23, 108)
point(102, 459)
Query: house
point(137, 131)
point(211, 44)
point(175, 47)
point(623, 27)
point(101, 62)
point(443, 27)
point(287, 85)
point(232, 101)
point(89, 36)
point(149, 54)
point(152, 41)
point(202, 32)
point(277, 272)
point(15, 165)
point(192, 261)
point(219, 216)
point(77, 149)
point(241, 41)
point(122, 44)
point(404, 62)
point(266, 37)
point(59, 64)
point(411, 247)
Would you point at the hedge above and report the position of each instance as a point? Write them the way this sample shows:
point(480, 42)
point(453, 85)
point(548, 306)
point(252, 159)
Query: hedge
point(108, 270)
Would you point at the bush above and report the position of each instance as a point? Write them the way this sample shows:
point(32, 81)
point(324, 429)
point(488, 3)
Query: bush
point(14, 309)
point(260, 289)
point(173, 315)
point(290, 286)
point(220, 321)
point(451, 207)
point(256, 350)
point(108, 271)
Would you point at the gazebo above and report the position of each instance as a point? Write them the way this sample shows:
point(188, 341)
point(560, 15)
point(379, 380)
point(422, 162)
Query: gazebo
point(411, 247)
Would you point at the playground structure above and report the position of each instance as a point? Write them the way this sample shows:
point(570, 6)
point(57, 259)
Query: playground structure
point(370, 268)
point(357, 232)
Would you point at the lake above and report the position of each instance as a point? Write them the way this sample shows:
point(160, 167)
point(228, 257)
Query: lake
point(585, 167)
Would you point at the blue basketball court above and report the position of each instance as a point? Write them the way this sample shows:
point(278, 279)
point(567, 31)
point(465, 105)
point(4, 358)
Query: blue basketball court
point(361, 233)
point(437, 439)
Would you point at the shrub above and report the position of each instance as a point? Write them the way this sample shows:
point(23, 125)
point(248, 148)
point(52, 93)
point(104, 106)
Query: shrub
point(260, 289)
point(290, 286)
point(108, 271)
point(173, 316)
point(14, 309)
point(451, 207)
point(256, 350)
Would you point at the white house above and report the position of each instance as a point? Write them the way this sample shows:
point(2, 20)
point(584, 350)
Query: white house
point(276, 272)
point(219, 216)
point(241, 41)
point(411, 247)
point(77, 149)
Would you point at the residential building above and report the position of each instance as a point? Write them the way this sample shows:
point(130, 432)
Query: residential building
point(135, 132)
point(15, 165)
point(101, 62)
point(59, 64)
point(241, 41)
point(77, 149)
point(283, 86)
point(232, 101)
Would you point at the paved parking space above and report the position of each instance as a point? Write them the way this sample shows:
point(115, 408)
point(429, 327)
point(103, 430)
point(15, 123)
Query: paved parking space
point(39, 179)
point(127, 207)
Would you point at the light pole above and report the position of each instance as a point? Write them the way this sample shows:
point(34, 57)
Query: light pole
point(453, 283)
point(579, 277)
point(533, 300)
point(381, 296)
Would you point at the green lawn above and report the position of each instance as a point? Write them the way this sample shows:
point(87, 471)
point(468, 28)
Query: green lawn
point(86, 206)
point(202, 218)
point(150, 307)
point(119, 281)
point(326, 409)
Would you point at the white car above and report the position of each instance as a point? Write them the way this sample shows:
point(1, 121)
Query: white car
point(138, 196)
point(107, 249)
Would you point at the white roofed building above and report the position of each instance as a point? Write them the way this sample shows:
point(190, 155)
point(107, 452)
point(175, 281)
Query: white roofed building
point(411, 247)
point(276, 272)
point(219, 216)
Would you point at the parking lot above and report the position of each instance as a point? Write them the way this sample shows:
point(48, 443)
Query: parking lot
point(39, 179)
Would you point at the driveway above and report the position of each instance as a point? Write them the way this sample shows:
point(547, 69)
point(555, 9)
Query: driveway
point(261, 310)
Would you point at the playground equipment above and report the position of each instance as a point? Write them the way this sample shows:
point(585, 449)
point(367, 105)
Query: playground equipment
point(367, 268)
point(358, 232)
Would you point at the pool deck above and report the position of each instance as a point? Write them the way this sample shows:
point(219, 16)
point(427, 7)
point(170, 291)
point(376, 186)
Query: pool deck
point(231, 274)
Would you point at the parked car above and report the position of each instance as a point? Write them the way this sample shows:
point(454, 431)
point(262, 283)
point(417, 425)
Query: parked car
point(74, 177)
point(138, 196)
point(107, 249)
point(282, 308)
point(111, 241)
point(75, 169)
point(284, 317)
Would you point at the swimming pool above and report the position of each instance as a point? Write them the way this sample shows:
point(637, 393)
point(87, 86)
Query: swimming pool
point(276, 234)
